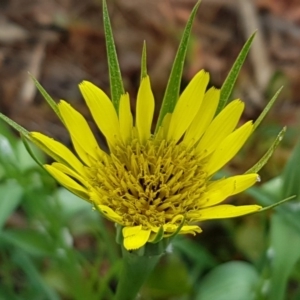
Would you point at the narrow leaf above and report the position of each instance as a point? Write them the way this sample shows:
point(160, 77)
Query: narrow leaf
point(291, 174)
point(285, 242)
point(115, 78)
point(173, 86)
point(266, 109)
point(258, 166)
point(233, 74)
point(235, 280)
point(35, 278)
point(14, 125)
point(144, 62)
point(47, 97)
point(11, 195)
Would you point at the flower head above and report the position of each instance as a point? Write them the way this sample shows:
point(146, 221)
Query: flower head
point(153, 183)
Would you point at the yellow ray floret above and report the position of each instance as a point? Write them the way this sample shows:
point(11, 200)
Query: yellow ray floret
point(221, 127)
point(82, 137)
point(56, 150)
point(144, 110)
point(187, 106)
point(223, 211)
point(68, 182)
point(218, 191)
point(203, 117)
point(102, 110)
point(135, 237)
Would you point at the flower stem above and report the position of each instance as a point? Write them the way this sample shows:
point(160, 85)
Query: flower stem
point(134, 273)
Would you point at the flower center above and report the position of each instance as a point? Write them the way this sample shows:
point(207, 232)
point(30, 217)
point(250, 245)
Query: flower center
point(151, 184)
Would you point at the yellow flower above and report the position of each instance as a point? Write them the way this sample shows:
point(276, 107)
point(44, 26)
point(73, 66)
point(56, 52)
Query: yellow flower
point(151, 183)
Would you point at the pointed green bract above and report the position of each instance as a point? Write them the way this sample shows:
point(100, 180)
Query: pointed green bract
point(233, 74)
point(144, 62)
point(268, 154)
point(115, 78)
point(266, 109)
point(275, 204)
point(173, 86)
point(176, 232)
point(14, 125)
point(29, 150)
point(47, 97)
point(159, 235)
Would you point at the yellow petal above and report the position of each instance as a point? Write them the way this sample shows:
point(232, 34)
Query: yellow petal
point(187, 106)
point(170, 228)
point(125, 118)
point(229, 148)
point(203, 117)
point(68, 171)
point(144, 110)
point(56, 150)
point(219, 190)
point(221, 126)
point(224, 211)
point(68, 183)
point(110, 214)
point(135, 237)
point(193, 229)
point(82, 137)
point(102, 111)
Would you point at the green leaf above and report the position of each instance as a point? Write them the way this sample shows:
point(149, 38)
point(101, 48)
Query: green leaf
point(199, 256)
point(28, 240)
point(268, 154)
point(173, 86)
point(144, 62)
point(291, 174)
point(11, 195)
point(233, 74)
point(233, 280)
point(115, 78)
point(14, 125)
point(37, 282)
point(162, 284)
point(285, 244)
point(47, 97)
point(266, 109)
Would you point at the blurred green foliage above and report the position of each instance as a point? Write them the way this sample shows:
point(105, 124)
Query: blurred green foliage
point(55, 246)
